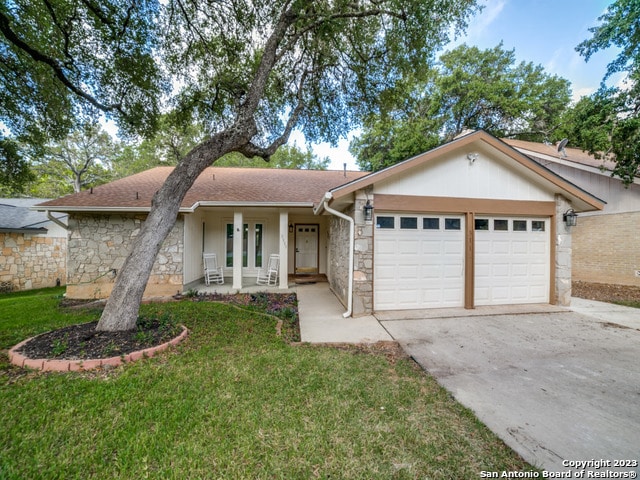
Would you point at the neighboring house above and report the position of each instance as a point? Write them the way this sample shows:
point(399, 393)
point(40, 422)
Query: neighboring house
point(32, 246)
point(473, 222)
point(605, 243)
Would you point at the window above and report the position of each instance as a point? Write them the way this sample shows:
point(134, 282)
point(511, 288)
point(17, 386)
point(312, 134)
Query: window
point(252, 245)
point(482, 224)
point(229, 255)
point(385, 222)
point(519, 225)
point(537, 226)
point(245, 244)
point(452, 224)
point(431, 223)
point(258, 245)
point(409, 223)
point(501, 225)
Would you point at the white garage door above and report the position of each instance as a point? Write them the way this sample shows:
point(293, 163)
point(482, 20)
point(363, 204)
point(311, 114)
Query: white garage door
point(419, 261)
point(511, 260)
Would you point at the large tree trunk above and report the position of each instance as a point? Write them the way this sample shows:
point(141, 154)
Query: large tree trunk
point(121, 310)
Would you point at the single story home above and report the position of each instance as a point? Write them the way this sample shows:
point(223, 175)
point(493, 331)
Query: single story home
point(605, 242)
point(473, 222)
point(32, 246)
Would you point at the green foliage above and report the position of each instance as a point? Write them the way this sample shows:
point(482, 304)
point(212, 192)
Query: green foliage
point(608, 123)
point(14, 169)
point(469, 89)
point(620, 27)
point(80, 160)
point(287, 156)
point(63, 59)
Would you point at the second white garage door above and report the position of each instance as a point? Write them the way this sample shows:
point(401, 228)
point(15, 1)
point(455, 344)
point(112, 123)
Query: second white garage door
point(512, 260)
point(419, 262)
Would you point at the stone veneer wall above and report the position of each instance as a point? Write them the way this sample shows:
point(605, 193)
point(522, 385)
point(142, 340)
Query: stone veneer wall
point(100, 243)
point(31, 261)
point(605, 248)
point(338, 257)
point(563, 254)
point(338, 268)
point(362, 262)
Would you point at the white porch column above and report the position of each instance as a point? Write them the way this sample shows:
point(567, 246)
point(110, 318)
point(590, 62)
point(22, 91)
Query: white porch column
point(237, 250)
point(284, 249)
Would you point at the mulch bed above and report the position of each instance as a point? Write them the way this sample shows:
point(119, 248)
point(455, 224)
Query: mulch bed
point(84, 342)
point(603, 292)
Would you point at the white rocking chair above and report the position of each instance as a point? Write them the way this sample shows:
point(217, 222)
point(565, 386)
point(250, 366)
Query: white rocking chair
point(212, 272)
point(269, 275)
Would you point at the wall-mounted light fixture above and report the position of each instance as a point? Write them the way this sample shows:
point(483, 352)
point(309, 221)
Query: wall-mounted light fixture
point(291, 228)
point(472, 157)
point(368, 211)
point(570, 217)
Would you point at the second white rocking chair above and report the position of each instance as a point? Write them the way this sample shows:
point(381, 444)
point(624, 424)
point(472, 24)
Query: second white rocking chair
point(269, 275)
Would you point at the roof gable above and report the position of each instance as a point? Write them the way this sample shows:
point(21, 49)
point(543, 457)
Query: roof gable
point(436, 161)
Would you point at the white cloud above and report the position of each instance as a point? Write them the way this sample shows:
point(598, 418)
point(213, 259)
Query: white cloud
point(479, 24)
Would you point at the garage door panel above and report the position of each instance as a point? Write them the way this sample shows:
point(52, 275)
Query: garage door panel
point(515, 267)
point(453, 247)
point(499, 247)
point(427, 267)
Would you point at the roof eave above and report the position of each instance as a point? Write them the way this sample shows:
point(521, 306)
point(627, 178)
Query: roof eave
point(23, 230)
point(190, 209)
point(590, 201)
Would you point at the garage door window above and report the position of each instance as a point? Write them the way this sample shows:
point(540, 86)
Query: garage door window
point(537, 226)
point(385, 222)
point(519, 225)
point(482, 224)
point(409, 223)
point(452, 224)
point(501, 225)
point(431, 223)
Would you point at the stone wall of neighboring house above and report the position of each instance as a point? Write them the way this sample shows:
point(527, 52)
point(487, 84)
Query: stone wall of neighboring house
point(31, 261)
point(605, 249)
point(338, 257)
point(99, 244)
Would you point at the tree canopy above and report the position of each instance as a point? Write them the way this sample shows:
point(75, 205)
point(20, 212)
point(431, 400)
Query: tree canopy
point(248, 71)
point(607, 124)
point(468, 89)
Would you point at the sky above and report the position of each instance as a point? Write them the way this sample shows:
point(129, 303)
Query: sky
point(544, 32)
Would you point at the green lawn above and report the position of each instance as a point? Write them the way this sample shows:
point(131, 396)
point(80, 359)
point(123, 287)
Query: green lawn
point(235, 401)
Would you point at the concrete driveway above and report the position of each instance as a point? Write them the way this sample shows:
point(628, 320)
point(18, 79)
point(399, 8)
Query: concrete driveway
point(554, 386)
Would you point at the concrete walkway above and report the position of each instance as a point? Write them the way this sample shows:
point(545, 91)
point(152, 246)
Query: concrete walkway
point(321, 319)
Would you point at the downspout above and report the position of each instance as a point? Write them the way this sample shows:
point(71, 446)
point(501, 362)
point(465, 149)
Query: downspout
point(328, 197)
point(56, 221)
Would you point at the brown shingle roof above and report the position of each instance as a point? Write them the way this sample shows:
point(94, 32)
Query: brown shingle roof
point(574, 155)
point(221, 185)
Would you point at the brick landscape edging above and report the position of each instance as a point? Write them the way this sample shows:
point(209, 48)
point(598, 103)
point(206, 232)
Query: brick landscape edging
point(47, 365)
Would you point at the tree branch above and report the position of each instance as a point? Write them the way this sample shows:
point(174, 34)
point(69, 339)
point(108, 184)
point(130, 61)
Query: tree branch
point(55, 66)
point(251, 150)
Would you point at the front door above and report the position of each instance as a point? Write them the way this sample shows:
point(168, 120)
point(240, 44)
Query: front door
point(307, 248)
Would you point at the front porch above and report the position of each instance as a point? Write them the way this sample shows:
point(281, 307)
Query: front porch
point(243, 239)
point(249, 285)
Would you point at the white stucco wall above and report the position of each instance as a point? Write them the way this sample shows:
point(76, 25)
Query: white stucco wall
point(453, 175)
